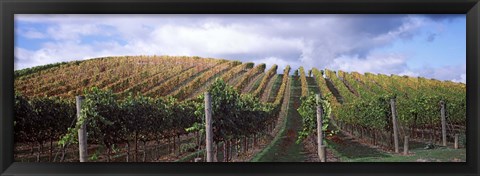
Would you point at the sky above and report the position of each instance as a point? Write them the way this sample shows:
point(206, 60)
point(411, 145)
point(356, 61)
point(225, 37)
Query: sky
point(431, 46)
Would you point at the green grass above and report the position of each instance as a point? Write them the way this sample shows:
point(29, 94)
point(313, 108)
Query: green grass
point(267, 153)
point(191, 156)
point(283, 147)
point(421, 155)
point(275, 88)
point(257, 82)
point(348, 150)
point(312, 85)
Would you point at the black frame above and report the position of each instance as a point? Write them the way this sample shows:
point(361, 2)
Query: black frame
point(10, 7)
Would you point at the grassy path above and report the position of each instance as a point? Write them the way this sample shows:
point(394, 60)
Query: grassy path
point(312, 85)
point(268, 88)
point(285, 149)
point(254, 81)
point(349, 149)
point(233, 81)
point(276, 86)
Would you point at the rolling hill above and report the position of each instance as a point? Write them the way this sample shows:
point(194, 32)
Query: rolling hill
point(360, 103)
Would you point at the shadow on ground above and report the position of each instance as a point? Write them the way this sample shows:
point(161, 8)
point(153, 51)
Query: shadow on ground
point(349, 148)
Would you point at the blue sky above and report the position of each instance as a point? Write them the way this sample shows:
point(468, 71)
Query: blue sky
point(432, 46)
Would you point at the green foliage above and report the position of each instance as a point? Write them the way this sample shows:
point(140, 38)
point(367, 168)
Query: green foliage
point(308, 112)
point(295, 73)
point(233, 115)
point(42, 118)
point(462, 139)
point(25, 120)
point(417, 101)
point(373, 112)
point(187, 147)
point(113, 119)
point(94, 156)
point(250, 65)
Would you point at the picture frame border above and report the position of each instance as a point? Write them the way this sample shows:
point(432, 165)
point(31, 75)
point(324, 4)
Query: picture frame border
point(8, 9)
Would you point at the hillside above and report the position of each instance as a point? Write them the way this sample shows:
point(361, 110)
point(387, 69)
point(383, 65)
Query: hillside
point(158, 76)
point(360, 105)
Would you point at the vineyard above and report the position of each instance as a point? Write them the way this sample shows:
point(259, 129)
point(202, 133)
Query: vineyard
point(153, 109)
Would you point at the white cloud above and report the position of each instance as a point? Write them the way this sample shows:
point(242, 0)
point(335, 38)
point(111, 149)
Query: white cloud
point(409, 73)
point(345, 42)
point(404, 31)
point(214, 39)
point(462, 79)
point(282, 63)
point(374, 63)
point(67, 51)
point(456, 73)
point(22, 58)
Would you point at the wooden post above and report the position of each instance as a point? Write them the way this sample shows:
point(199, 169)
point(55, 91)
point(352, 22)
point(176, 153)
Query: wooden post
point(320, 146)
point(82, 132)
point(444, 123)
point(456, 141)
point(323, 150)
point(208, 126)
point(405, 146)
point(225, 155)
point(395, 127)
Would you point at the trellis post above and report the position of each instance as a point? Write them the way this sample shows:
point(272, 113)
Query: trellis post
point(444, 123)
point(405, 146)
point(208, 126)
point(395, 127)
point(456, 141)
point(320, 147)
point(82, 132)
